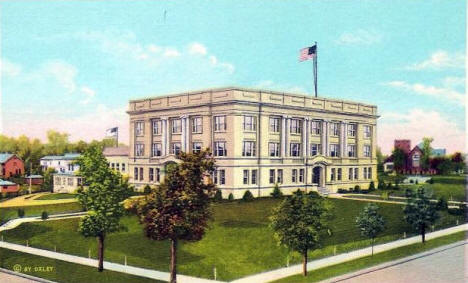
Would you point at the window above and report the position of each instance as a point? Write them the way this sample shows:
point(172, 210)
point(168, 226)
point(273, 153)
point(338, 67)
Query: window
point(295, 149)
point(296, 126)
point(246, 177)
point(112, 165)
point(156, 149)
point(294, 176)
point(334, 150)
point(220, 123)
point(63, 181)
point(197, 126)
point(139, 149)
point(367, 151)
point(196, 147)
point(79, 181)
point(301, 175)
point(333, 174)
point(151, 174)
point(338, 174)
point(250, 123)
point(334, 129)
point(272, 176)
point(215, 176)
point(350, 174)
point(367, 131)
point(156, 127)
point(274, 125)
point(70, 181)
point(248, 148)
point(220, 149)
point(176, 126)
point(273, 148)
point(139, 128)
point(315, 128)
point(123, 167)
point(365, 173)
point(369, 173)
point(314, 149)
point(356, 173)
point(135, 174)
point(175, 148)
point(158, 174)
point(351, 150)
point(222, 177)
point(253, 179)
point(279, 180)
point(117, 166)
point(416, 157)
point(141, 173)
point(352, 130)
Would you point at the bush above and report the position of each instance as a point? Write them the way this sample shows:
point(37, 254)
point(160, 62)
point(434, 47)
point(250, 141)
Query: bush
point(147, 189)
point(371, 186)
point(231, 197)
point(389, 186)
point(382, 185)
point(411, 181)
point(430, 181)
point(442, 204)
point(455, 211)
point(218, 196)
point(44, 215)
point(357, 189)
point(247, 196)
point(276, 192)
point(408, 192)
point(385, 195)
point(343, 191)
point(416, 182)
point(20, 212)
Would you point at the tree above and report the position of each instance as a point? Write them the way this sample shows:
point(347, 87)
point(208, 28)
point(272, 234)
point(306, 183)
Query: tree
point(419, 211)
point(218, 197)
point(370, 222)
point(276, 192)
point(426, 152)
point(446, 166)
point(380, 160)
point(247, 196)
point(300, 222)
point(48, 183)
point(105, 190)
point(399, 159)
point(57, 143)
point(179, 209)
point(458, 161)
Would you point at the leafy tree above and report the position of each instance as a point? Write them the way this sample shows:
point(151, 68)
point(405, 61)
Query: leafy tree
point(48, 184)
point(445, 166)
point(300, 222)
point(370, 222)
point(442, 204)
point(247, 196)
point(419, 211)
point(179, 209)
point(380, 160)
point(426, 152)
point(147, 189)
point(371, 186)
point(276, 191)
point(399, 159)
point(231, 197)
point(57, 143)
point(44, 215)
point(105, 190)
point(458, 161)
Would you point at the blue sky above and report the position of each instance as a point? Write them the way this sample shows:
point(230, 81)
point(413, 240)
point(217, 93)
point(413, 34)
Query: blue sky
point(73, 65)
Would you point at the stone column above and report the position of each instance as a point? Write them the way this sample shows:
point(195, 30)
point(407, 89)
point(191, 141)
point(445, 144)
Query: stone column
point(305, 138)
point(343, 137)
point(286, 135)
point(182, 138)
point(283, 136)
point(324, 139)
point(188, 134)
point(164, 136)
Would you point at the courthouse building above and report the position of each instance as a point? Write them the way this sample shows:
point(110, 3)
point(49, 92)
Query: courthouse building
point(258, 138)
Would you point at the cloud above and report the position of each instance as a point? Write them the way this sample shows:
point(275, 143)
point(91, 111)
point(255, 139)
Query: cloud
point(441, 93)
point(88, 93)
point(271, 85)
point(453, 82)
point(359, 37)
point(440, 60)
point(62, 72)
point(416, 124)
point(170, 52)
point(197, 48)
point(9, 68)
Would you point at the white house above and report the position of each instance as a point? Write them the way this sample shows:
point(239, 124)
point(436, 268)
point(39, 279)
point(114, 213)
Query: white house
point(63, 164)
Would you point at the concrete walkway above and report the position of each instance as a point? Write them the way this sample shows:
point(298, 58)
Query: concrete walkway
point(13, 223)
point(15, 277)
point(31, 200)
point(324, 262)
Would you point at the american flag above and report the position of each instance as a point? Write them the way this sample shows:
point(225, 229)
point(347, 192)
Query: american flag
point(308, 53)
point(112, 132)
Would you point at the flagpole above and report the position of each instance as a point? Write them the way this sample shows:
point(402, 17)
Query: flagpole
point(315, 68)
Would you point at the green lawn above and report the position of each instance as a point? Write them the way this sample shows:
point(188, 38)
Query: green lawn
point(56, 196)
point(7, 213)
point(239, 242)
point(65, 272)
point(368, 261)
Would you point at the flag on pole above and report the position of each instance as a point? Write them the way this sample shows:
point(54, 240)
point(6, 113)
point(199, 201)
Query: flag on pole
point(112, 132)
point(308, 53)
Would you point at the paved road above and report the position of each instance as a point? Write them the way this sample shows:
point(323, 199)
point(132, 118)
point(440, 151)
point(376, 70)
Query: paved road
point(18, 221)
point(445, 264)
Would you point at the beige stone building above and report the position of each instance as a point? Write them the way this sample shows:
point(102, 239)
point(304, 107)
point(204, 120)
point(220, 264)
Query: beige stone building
point(117, 157)
point(259, 138)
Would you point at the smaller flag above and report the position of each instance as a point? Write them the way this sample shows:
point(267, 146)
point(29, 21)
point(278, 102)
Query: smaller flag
point(308, 53)
point(112, 132)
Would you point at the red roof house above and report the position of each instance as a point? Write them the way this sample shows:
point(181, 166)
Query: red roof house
point(10, 165)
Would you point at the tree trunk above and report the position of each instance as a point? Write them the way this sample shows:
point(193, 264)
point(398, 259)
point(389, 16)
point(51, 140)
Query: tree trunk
point(173, 261)
point(101, 253)
point(372, 243)
point(304, 263)
point(423, 233)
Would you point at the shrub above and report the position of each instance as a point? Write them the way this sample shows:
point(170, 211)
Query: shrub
point(20, 212)
point(231, 197)
point(247, 196)
point(442, 204)
point(416, 182)
point(389, 186)
point(218, 196)
point(342, 191)
point(430, 181)
point(44, 215)
point(455, 211)
point(371, 186)
point(147, 189)
point(408, 192)
point(357, 189)
point(411, 181)
point(382, 185)
point(276, 191)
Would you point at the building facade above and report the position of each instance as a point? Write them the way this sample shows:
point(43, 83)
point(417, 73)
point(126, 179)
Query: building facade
point(66, 183)
point(63, 164)
point(258, 138)
point(117, 157)
point(10, 165)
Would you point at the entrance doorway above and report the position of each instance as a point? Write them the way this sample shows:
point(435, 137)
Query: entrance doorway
point(317, 175)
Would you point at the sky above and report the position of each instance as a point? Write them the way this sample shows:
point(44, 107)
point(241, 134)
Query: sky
point(73, 66)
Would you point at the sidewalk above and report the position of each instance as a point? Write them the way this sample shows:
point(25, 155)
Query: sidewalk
point(13, 223)
point(324, 262)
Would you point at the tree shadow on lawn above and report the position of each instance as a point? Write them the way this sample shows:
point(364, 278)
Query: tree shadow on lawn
point(26, 232)
point(241, 224)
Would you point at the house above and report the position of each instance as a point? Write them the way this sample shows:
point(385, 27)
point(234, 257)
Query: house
point(64, 164)
point(259, 138)
point(10, 165)
point(117, 157)
point(8, 187)
point(66, 182)
point(34, 180)
point(413, 159)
